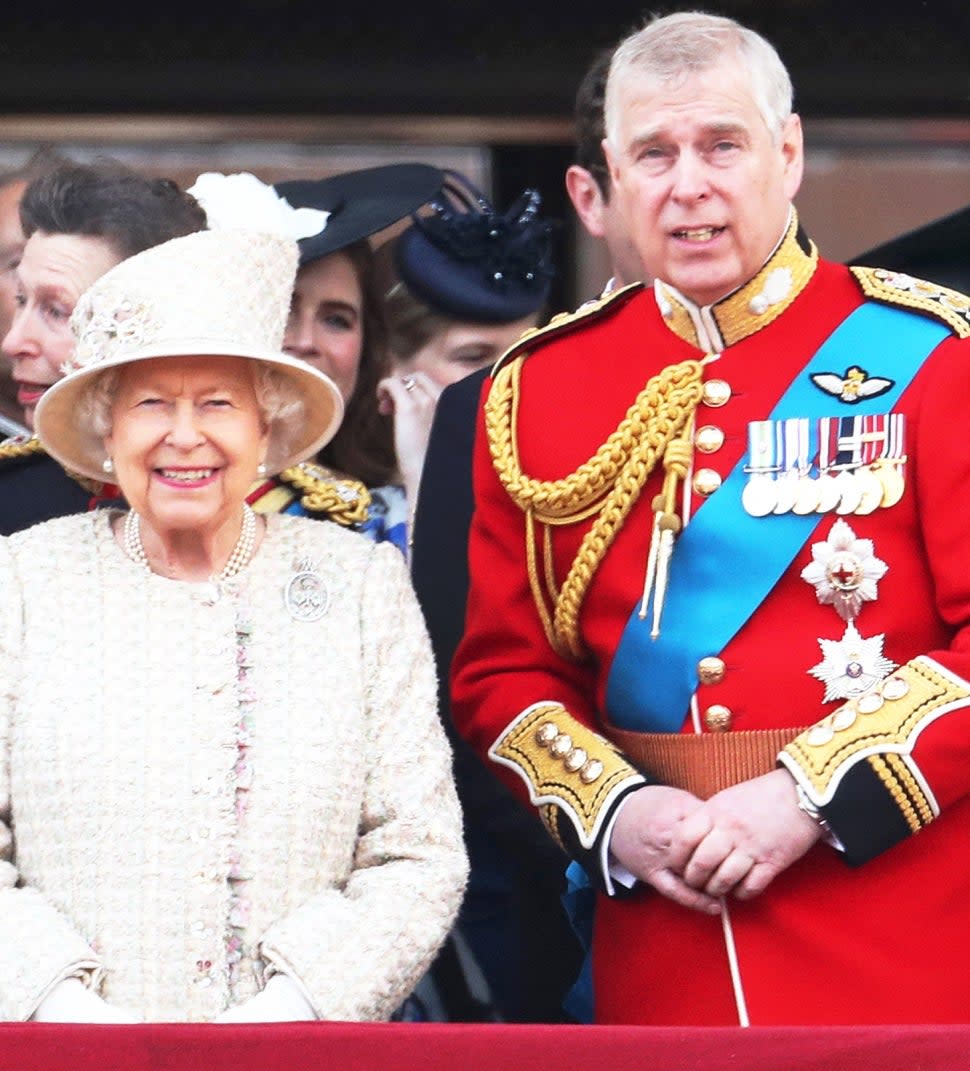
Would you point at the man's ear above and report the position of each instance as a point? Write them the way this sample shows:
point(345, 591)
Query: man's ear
point(793, 153)
point(587, 199)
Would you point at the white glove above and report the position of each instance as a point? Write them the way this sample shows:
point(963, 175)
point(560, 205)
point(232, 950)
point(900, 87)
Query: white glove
point(279, 1001)
point(71, 1001)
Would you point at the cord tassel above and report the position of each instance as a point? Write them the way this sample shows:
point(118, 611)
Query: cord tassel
point(670, 526)
point(666, 526)
point(651, 573)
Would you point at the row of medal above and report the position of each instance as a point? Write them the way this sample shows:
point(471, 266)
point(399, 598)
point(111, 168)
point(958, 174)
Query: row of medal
point(853, 464)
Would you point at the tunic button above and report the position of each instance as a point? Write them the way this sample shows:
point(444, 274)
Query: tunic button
point(591, 771)
point(562, 745)
point(546, 733)
point(708, 439)
point(706, 481)
point(717, 392)
point(710, 670)
point(718, 718)
point(893, 688)
point(575, 760)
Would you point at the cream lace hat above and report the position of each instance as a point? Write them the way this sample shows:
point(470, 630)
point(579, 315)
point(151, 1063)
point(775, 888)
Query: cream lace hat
point(212, 293)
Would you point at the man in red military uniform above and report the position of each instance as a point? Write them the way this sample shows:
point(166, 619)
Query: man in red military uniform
point(717, 632)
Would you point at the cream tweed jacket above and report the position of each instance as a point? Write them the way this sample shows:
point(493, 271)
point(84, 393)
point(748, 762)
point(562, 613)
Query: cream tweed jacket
point(131, 815)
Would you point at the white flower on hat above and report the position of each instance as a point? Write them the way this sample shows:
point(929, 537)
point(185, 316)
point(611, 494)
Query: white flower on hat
point(242, 201)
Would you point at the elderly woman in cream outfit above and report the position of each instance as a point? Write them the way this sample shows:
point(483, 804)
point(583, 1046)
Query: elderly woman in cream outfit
point(224, 790)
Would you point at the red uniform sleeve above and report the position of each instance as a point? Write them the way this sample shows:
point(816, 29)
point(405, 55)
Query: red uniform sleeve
point(520, 704)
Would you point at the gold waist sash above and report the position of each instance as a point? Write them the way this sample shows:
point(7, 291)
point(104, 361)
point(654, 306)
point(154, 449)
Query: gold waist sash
point(704, 763)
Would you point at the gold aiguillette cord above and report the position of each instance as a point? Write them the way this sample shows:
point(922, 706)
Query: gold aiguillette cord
point(666, 526)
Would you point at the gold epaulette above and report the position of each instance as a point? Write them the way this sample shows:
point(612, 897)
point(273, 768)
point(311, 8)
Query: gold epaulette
point(20, 447)
point(343, 500)
point(897, 288)
point(568, 768)
point(563, 322)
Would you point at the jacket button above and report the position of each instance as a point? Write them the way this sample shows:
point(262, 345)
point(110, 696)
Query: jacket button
point(717, 392)
point(575, 760)
point(710, 670)
point(546, 733)
point(718, 718)
point(706, 481)
point(562, 745)
point(709, 438)
point(591, 771)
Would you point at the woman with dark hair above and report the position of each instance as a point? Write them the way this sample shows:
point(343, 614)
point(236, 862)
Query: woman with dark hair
point(335, 325)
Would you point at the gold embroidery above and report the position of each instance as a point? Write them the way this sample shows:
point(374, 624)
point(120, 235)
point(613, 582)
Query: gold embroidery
point(914, 695)
point(895, 790)
point(756, 304)
point(565, 765)
point(904, 775)
point(19, 447)
point(896, 288)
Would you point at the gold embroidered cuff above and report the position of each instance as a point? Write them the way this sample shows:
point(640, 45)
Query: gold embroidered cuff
point(566, 765)
point(880, 728)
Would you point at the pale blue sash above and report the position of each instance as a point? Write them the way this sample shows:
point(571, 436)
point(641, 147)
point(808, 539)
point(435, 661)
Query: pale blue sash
point(726, 561)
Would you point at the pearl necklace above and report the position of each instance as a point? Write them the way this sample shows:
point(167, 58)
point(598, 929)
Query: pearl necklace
point(241, 552)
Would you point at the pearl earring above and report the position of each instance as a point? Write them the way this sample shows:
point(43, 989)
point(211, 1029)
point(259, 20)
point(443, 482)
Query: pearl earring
point(261, 469)
point(108, 465)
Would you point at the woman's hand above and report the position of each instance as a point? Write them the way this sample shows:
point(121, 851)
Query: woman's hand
point(411, 400)
point(280, 1001)
point(71, 1001)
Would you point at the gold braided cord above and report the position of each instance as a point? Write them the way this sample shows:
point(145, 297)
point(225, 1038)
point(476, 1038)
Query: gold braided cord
point(582, 489)
point(344, 501)
point(535, 581)
point(607, 485)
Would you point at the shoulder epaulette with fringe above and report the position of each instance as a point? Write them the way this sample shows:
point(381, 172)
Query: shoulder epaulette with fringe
point(20, 447)
point(320, 491)
point(563, 322)
point(897, 288)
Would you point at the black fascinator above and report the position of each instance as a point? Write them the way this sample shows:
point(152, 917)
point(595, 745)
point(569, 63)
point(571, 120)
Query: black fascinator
point(471, 262)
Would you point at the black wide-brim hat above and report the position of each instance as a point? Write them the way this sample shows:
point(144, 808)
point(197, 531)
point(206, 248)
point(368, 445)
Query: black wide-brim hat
point(360, 203)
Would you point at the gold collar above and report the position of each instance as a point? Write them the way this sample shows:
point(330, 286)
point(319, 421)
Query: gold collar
point(749, 308)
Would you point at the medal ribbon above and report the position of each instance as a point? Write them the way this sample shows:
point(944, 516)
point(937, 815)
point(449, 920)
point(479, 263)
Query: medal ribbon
point(726, 562)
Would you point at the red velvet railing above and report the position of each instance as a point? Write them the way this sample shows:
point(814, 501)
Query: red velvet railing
point(457, 1047)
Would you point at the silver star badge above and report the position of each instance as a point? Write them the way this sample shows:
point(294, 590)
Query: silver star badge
point(852, 665)
point(844, 571)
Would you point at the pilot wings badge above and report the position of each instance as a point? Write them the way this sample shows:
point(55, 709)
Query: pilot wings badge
point(854, 386)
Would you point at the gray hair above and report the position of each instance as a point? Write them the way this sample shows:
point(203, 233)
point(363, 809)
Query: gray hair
point(279, 400)
point(677, 45)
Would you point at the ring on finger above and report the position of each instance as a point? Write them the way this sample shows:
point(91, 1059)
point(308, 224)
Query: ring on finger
point(409, 383)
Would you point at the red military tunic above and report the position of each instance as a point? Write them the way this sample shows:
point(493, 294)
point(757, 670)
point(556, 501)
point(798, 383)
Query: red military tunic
point(828, 942)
